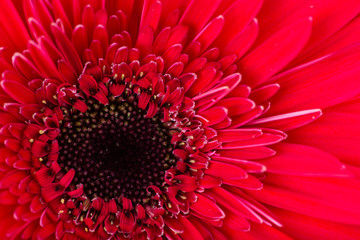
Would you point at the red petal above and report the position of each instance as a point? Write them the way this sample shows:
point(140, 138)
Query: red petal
point(151, 14)
point(233, 203)
point(262, 140)
point(45, 232)
point(189, 230)
point(12, 23)
point(171, 55)
point(275, 53)
point(250, 182)
point(295, 159)
point(319, 84)
point(206, 208)
point(160, 41)
point(173, 224)
point(7, 198)
point(236, 222)
point(42, 60)
point(51, 191)
point(205, 77)
point(242, 119)
point(289, 121)
point(264, 93)
point(210, 32)
point(248, 153)
point(236, 106)
point(67, 48)
point(12, 177)
point(214, 115)
point(79, 39)
point(241, 43)
point(294, 225)
point(127, 222)
point(248, 166)
point(209, 182)
point(324, 14)
point(346, 36)
point(18, 92)
point(236, 18)
point(198, 14)
point(145, 40)
point(230, 135)
point(25, 66)
point(225, 170)
point(67, 178)
point(343, 139)
point(40, 149)
point(258, 231)
point(36, 205)
point(307, 204)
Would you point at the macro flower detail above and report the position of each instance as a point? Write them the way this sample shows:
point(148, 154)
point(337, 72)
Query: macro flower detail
point(179, 119)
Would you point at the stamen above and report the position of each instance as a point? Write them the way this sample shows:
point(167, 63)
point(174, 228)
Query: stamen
point(115, 150)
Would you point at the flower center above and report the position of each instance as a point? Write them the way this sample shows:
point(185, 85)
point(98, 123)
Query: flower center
point(115, 150)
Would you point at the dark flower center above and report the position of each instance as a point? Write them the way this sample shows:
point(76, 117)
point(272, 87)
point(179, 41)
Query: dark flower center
point(115, 150)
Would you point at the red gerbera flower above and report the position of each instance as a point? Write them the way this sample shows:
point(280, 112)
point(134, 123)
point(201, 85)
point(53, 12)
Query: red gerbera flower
point(152, 119)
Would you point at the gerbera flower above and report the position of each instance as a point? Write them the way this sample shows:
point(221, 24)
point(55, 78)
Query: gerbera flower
point(179, 119)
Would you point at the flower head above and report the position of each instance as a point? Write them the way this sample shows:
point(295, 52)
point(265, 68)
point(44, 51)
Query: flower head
point(152, 120)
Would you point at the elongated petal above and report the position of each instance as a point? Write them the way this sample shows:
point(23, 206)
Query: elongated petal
point(13, 25)
point(207, 208)
point(289, 121)
point(290, 200)
point(295, 159)
point(225, 170)
point(18, 92)
point(319, 84)
point(275, 53)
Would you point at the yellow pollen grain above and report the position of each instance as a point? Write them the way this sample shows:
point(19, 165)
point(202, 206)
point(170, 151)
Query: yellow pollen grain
point(192, 161)
point(182, 197)
point(122, 76)
point(115, 75)
point(61, 211)
point(55, 97)
point(86, 229)
point(41, 159)
point(141, 74)
point(31, 140)
point(43, 101)
point(41, 132)
point(62, 201)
